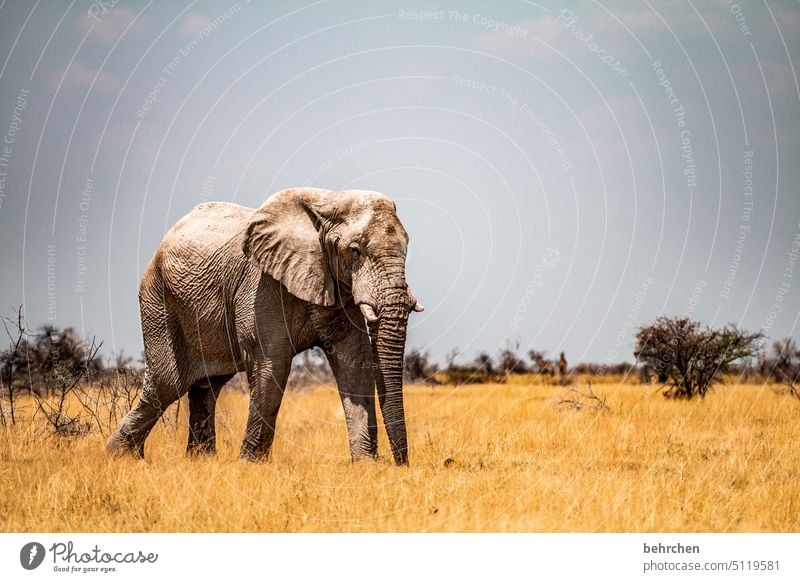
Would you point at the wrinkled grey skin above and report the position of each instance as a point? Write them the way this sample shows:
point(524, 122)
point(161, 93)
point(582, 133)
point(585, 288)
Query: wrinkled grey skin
point(236, 289)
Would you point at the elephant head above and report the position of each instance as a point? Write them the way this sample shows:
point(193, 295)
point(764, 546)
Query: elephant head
point(323, 246)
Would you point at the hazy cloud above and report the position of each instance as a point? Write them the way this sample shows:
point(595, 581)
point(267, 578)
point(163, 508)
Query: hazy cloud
point(194, 23)
point(108, 27)
point(539, 34)
point(80, 76)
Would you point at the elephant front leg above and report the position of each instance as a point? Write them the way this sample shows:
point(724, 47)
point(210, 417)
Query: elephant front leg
point(351, 362)
point(267, 384)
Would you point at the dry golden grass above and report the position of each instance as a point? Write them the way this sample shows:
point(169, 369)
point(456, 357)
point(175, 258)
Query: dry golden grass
point(483, 458)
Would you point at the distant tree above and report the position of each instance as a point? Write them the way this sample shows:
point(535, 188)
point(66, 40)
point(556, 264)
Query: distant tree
point(689, 357)
point(451, 356)
point(541, 365)
point(784, 365)
point(12, 361)
point(480, 371)
point(484, 362)
point(623, 368)
point(59, 356)
point(123, 363)
point(417, 367)
point(645, 373)
point(508, 362)
point(595, 369)
point(311, 369)
point(590, 368)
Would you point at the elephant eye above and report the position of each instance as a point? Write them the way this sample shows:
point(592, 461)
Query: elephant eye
point(355, 249)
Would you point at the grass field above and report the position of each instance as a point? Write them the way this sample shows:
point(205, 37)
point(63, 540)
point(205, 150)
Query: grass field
point(483, 458)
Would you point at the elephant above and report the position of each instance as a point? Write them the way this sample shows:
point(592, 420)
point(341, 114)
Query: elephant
point(234, 289)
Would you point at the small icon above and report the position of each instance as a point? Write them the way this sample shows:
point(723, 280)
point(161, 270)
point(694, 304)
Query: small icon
point(31, 555)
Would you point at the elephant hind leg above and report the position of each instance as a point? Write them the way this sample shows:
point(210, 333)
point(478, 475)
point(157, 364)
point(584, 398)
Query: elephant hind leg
point(132, 432)
point(202, 405)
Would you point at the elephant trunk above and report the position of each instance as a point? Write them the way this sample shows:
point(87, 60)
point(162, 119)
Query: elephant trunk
point(389, 338)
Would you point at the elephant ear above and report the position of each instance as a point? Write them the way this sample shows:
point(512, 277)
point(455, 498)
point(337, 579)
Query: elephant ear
point(284, 239)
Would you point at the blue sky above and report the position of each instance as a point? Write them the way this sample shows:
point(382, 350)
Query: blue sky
point(566, 171)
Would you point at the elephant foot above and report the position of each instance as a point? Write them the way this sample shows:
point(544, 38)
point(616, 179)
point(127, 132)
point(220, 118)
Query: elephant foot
point(201, 450)
point(253, 454)
point(361, 456)
point(400, 458)
point(251, 457)
point(363, 459)
point(124, 445)
point(257, 442)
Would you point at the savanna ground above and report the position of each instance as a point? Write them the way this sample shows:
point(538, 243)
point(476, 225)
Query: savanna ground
point(503, 457)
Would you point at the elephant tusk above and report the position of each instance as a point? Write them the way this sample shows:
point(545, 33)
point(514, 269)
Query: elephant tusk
point(412, 301)
point(368, 313)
